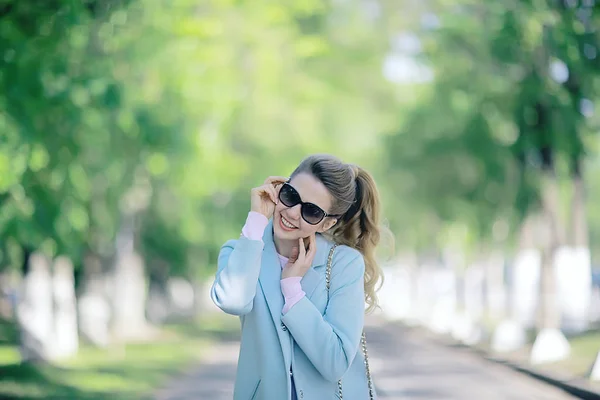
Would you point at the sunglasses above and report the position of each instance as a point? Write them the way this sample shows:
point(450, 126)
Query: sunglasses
point(310, 212)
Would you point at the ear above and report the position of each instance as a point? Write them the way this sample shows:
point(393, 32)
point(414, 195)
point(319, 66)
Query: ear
point(328, 224)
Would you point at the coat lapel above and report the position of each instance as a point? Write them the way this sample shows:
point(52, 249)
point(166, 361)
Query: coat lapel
point(316, 274)
point(270, 277)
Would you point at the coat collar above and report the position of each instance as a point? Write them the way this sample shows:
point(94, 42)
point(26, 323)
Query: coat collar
point(270, 276)
point(323, 246)
point(270, 272)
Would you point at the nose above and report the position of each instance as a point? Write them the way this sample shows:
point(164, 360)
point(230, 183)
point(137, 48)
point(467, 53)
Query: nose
point(294, 212)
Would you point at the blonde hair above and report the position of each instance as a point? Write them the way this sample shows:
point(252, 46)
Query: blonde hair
point(356, 200)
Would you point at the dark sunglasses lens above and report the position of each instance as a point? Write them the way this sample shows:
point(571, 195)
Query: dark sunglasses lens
point(288, 196)
point(312, 214)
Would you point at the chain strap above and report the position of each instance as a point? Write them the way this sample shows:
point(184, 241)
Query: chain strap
point(363, 339)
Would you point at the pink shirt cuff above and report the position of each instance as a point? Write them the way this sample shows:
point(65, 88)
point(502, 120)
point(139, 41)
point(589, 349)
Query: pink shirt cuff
point(254, 229)
point(255, 226)
point(292, 292)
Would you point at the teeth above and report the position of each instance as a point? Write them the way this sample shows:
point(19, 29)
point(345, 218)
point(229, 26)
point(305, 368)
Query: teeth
point(286, 223)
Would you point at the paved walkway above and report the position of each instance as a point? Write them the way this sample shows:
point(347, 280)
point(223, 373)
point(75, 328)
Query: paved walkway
point(405, 366)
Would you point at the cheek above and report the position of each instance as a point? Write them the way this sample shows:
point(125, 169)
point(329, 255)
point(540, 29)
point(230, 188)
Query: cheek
point(308, 229)
point(278, 208)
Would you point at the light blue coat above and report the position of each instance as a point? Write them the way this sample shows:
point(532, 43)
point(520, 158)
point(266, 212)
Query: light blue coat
point(317, 338)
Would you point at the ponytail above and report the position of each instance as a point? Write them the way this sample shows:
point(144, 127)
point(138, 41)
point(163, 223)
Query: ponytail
point(359, 229)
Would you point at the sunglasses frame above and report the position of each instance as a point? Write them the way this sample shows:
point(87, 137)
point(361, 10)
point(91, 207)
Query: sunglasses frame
point(302, 203)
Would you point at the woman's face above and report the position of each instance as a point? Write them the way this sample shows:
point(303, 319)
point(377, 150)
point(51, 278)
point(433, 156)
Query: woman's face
point(288, 223)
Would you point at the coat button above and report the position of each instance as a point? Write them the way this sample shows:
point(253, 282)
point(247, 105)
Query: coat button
point(301, 393)
point(283, 327)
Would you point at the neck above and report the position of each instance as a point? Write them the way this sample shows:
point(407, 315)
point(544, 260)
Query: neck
point(284, 246)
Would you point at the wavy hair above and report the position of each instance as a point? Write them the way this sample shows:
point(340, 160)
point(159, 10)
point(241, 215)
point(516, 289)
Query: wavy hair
point(356, 199)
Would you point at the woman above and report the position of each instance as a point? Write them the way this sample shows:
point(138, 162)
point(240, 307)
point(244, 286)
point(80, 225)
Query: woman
point(301, 330)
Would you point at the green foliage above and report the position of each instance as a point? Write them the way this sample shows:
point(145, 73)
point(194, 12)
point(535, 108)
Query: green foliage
point(504, 106)
point(204, 101)
point(99, 96)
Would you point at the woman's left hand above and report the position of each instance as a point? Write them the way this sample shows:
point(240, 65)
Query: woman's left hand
point(301, 259)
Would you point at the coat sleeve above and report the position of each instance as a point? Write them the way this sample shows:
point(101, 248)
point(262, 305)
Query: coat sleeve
point(331, 341)
point(235, 282)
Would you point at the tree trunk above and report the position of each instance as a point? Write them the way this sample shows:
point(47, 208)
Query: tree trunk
point(550, 233)
point(573, 262)
point(8, 293)
point(550, 344)
point(94, 308)
point(579, 226)
point(495, 299)
point(66, 338)
point(549, 310)
point(35, 309)
point(474, 286)
point(522, 298)
point(454, 258)
point(130, 287)
point(413, 285)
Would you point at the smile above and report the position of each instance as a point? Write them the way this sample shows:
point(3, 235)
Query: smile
point(287, 224)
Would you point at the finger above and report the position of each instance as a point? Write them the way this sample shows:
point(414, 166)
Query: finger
point(278, 188)
point(294, 255)
point(312, 245)
point(312, 250)
point(306, 242)
point(301, 249)
point(274, 194)
point(276, 179)
point(269, 190)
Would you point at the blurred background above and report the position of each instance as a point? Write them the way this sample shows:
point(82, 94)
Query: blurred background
point(131, 133)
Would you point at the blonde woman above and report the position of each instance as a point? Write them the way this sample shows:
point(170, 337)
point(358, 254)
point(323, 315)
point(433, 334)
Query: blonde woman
point(302, 316)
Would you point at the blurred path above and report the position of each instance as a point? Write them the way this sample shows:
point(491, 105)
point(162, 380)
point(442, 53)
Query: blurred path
point(405, 366)
point(212, 380)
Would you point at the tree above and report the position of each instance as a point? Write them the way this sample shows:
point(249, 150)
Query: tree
point(499, 122)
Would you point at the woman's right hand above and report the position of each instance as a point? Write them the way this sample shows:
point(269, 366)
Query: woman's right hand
point(264, 198)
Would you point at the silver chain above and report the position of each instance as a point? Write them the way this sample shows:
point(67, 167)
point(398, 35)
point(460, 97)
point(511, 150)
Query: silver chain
point(363, 339)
